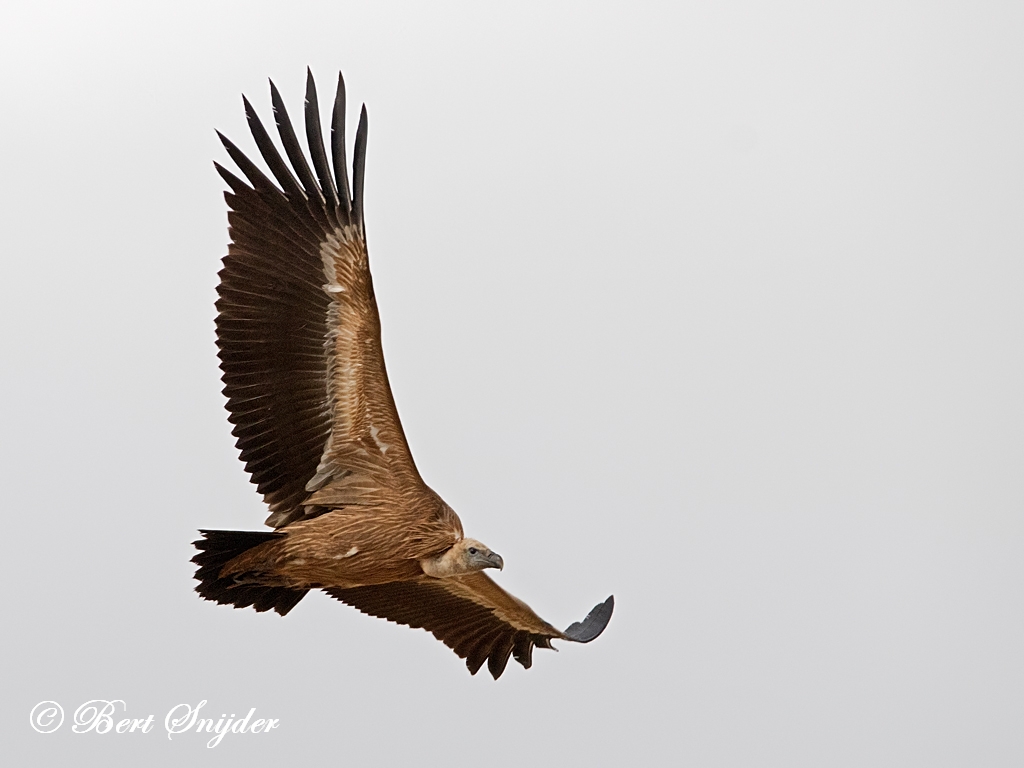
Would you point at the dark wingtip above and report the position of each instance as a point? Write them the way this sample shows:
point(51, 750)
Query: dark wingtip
point(310, 87)
point(592, 626)
point(359, 166)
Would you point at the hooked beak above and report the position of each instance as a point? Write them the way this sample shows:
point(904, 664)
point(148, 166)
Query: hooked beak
point(495, 561)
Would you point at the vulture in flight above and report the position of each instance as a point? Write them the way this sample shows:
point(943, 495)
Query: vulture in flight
point(316, 424)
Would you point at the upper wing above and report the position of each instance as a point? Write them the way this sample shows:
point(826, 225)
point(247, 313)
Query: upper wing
point(297, 325)
point(473, 616)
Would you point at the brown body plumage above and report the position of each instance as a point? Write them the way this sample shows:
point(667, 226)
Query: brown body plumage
point(317, 427)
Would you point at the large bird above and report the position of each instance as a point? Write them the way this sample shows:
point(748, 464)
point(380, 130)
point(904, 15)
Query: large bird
point(316, 424)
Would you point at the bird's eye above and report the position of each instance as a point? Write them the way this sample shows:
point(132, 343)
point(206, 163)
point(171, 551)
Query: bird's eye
point(472, 550)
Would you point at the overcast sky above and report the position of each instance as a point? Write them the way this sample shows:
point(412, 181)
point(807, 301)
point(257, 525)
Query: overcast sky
point(715, 307)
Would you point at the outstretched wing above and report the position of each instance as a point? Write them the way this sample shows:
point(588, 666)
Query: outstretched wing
point(298, 329)
point(473, 616)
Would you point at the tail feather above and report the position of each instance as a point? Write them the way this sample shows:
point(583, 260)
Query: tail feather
point(216, 548)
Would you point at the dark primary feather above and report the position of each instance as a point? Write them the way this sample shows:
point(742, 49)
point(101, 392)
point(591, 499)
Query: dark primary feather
point(315, 140)
point(338, 139)
point(359, 168)
point(248, 168)
point(278, 166)
point(291, 145)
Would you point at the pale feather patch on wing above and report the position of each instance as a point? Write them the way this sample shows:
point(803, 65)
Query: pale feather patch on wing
point(380, 444)
point(350, 553)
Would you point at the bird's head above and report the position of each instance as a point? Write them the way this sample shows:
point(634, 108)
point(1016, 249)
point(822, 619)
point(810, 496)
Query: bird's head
point(475, 556)
point(466, 556)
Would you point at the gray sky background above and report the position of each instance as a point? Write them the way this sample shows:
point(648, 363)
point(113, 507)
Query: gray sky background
point(717, 308)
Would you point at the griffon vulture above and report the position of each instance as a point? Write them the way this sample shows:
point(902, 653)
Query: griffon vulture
point(316, 424)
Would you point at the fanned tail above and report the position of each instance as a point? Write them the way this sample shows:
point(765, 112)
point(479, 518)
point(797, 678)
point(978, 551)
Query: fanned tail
point(216, 549)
